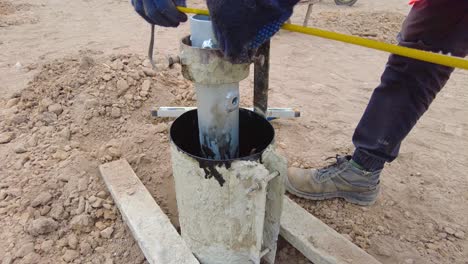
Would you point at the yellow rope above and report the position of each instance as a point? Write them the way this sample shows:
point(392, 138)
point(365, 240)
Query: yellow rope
point(193, 11)
point(445, 60)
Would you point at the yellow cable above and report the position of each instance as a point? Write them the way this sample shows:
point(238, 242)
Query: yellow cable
point(193, 11)
point(445, 60)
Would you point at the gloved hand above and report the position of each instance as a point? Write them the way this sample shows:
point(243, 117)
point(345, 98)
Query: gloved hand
point(160, 12)
point(241, 26)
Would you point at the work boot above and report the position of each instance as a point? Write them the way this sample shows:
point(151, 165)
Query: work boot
point(342, 179)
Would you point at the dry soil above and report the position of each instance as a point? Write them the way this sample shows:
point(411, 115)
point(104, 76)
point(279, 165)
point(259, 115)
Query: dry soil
point(76, 91)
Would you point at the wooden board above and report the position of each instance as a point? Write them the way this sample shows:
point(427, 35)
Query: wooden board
point(316, 240)
point(151, 228)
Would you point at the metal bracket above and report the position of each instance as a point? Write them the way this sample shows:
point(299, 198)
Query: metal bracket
point(271, 113)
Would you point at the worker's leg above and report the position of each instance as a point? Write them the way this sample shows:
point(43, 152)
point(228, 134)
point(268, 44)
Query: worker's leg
point(409, 86)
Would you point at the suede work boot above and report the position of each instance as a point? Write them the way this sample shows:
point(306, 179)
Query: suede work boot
point(339, 180)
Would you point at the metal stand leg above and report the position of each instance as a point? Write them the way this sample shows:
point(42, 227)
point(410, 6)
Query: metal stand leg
point(261, 79)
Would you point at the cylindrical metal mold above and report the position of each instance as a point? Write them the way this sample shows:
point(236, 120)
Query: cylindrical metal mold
point(229, 210)
point(217, 87)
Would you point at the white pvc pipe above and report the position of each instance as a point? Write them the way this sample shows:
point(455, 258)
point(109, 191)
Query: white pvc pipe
point(202, 35)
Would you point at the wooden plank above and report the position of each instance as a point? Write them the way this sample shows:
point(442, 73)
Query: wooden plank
point(317, 241)
point(151, 228)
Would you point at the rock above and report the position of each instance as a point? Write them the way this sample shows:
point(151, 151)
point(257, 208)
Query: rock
point(45, 102)
point(109, 260)
point(47, 245)
point(117, 65)
point(429, 226)
point(100, 225)
point(55, 108)
point(409, 261)
point(83, 184)
point(20, 148)
point(65, 134)
point(60, 155)
point(97, 203)
point(72, 241)
point(74, 144)
point(21, 161)
point(107, 233)
point(407, 214)
point(161, 128)
point(70, 255)
point(32, 141)
point(86, 63)
point(31, 258)
point(146, 85)
point(7, 259)
point(6, 137)
point(143, 93)
point(12, 102)
point(114, 152)
point(14, 192)
point(19, 119)
point(42, 199)
point(102, 194)
point(459, 234)
point(25, 250)
point(18, 66)
point(107, 77)
point(45, 210)
point(85, 248)
point(442, 235)
point(432, 246)
point(134, 75)
point(109, 215)
point(63, 178)
point(115, 112)
point(449, 230)
point(81, 206)
point(49, 118)
point(91, 103)
point(57, 212)
point(380, 228)
point(3, 195)
point(82, 223)
point(149, 72)
point(122, 87)
point(42, 226)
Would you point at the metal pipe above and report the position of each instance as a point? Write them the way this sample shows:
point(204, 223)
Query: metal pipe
point(218, 120)
point(217, 97)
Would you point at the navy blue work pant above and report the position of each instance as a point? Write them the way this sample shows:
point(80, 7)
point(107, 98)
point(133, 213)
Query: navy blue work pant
point(409, 86)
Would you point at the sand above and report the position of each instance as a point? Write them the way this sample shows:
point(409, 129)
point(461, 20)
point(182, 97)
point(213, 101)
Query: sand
point(76, 92)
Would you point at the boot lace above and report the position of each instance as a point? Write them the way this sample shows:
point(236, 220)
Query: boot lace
point(332, 169)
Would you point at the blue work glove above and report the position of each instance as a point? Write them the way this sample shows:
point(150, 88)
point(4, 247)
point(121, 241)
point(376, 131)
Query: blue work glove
point(160, 12)
point(241, 26)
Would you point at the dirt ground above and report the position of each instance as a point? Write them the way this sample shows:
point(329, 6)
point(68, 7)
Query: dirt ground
point(76, 92)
